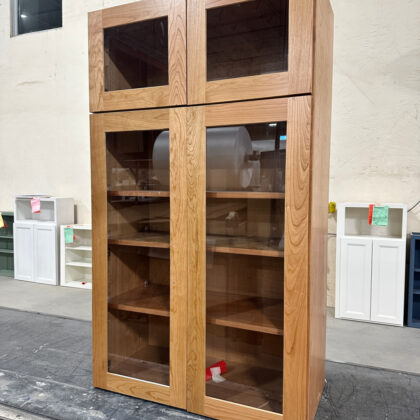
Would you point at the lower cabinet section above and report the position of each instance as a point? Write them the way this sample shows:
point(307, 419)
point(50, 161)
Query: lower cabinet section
point(36, 250)
point(372, 279)
point(201, 259)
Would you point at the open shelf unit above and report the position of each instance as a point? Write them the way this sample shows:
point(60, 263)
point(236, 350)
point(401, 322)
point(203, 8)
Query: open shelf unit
point(6, 246)
point(76, 257)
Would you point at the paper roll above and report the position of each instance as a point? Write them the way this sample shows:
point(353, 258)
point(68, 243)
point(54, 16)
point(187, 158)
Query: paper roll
point(228, 149)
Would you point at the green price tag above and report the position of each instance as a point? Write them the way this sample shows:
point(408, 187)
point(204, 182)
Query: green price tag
point(380, 216)
point(68, 235)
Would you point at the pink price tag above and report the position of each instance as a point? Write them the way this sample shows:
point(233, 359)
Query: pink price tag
point(36, 205)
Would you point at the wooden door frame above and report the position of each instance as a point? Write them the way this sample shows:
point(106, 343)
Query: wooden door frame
point(150, 97)
point(297, 80)
point(297, 112)
point(159, 119)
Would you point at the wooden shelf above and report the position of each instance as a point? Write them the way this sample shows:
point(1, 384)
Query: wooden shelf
point(142, 239)
point(245, 194)
point(242, 246)
point(215, 243)
point(78, 284)
point(228, 310)
point(263, 315)
point(249, 385)
point(149, 364)
point(152, 300)
point(134, 193)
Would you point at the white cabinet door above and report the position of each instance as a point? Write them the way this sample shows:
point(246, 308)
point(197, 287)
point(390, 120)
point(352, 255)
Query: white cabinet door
point(24, 251)
point(355, 278)
point(388, 278)
point(45, 245)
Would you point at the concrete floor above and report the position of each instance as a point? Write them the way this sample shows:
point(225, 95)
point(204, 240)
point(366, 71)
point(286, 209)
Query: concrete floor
point(44, 299)
point(347, 341)
point(45, 369)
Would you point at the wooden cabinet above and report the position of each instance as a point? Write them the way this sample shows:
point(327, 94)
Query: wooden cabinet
point(237, 50)
point(209, 245)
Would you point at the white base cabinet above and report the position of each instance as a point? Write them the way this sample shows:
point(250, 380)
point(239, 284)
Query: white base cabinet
point(370, 279)
point(36, 238)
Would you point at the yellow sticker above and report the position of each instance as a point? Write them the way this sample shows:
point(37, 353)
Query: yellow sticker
point(332, 207)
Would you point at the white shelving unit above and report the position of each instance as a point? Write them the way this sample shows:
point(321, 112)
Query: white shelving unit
point(36, 237)
point(370, 270)
point(76, 258)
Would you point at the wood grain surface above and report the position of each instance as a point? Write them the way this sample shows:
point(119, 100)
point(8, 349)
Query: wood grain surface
point(196, 185)
point(297, 258)
point(321, 134)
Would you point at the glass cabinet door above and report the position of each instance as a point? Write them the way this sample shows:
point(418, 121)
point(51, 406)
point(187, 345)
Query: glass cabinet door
point(245, 265)
point(248, 49)
point(248, 264)
point(142, 279)
point(137, 55)
point(138, 256)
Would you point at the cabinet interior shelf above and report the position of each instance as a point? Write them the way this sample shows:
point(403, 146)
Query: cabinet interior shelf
point(245, 194)
point(6, 251)
point(224, 309)
point(245, 384)
point(79, 264)
point(140, 193)
point(142, 239)
point(215, 243)
point(79, 248)
point(417, 270)
point(79, 284)
point(6, 237)
point(210, 194)
point(150, 364)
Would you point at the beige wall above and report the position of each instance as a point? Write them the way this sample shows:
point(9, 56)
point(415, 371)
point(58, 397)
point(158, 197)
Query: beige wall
point(44, 114)
point(375, 155)
point(375, 145)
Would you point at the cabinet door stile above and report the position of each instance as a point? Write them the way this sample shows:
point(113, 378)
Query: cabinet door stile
point(178, 256)
point(99, 252)
point(196, 181)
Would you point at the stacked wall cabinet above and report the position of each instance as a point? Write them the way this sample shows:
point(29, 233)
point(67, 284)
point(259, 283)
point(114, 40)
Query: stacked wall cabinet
point(210, 133)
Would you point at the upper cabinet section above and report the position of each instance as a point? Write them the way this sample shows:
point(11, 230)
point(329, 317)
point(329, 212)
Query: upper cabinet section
point(249, 49)
point(137, 56)
point(160, 53)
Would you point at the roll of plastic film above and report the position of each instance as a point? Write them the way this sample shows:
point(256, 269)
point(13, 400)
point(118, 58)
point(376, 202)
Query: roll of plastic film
point(228, 167)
